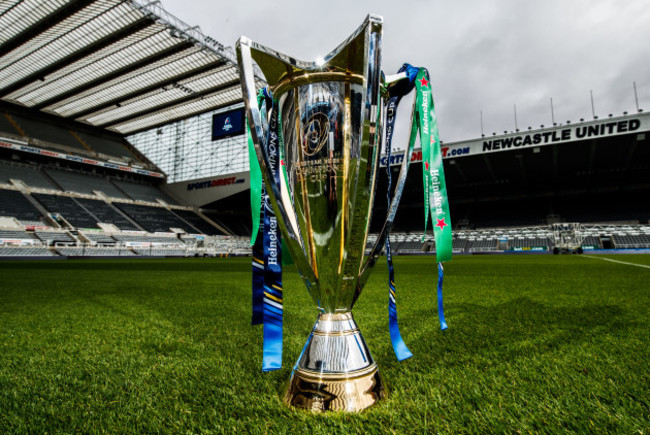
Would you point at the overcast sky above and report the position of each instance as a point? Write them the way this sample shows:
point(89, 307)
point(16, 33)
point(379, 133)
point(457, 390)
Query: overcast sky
point(484, 55)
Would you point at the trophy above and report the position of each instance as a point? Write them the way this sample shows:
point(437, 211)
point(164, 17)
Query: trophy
point(328, 114)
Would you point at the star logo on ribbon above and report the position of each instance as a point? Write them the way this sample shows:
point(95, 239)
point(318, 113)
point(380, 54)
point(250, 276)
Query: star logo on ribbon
point(424, 81)
point(426, 165)
point(441, 224)
point(432, 141)
point(282, 162)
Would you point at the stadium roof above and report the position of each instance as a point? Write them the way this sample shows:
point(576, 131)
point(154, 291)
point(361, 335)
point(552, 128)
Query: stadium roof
point(122, 65)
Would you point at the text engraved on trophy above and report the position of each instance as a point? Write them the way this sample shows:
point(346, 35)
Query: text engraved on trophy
point(318, 170)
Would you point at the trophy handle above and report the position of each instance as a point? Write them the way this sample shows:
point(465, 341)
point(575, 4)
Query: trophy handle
point(276, 189)
point(371, 260)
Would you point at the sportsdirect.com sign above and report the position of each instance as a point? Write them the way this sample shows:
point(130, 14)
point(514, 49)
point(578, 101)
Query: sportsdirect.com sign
point(227, 181)
point(416, 156)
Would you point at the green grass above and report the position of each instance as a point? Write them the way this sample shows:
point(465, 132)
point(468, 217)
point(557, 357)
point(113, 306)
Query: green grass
point(547, 344)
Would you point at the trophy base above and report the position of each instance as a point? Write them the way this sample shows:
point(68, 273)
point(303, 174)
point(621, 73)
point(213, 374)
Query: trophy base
point(335, 371)
point(318, 394)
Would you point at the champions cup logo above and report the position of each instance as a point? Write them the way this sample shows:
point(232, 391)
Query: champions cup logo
point(315, 133)
point(226, 124)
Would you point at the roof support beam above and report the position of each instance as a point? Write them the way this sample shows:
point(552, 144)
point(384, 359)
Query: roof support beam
point(140, 92)
point(122, 71)
point(74, 57)
point(188, 98)
point(45, 23)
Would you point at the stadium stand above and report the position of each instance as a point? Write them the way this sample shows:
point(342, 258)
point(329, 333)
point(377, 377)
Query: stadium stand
point(529, 242)
point(158, 252)
point(28, 174)
point(458, 245)
point(97, 238)
point(197, 222)
point(52, 238)
point(13, 203)
point(11, 235)
point(84, 183)
point(106, 213)
point(143, 192)
point(591, 241)
point(147, 239)
point(482, 244)
point(68, 208)
point(409, 243)
point(90, 251)
point(154, 219)
point(24, 251)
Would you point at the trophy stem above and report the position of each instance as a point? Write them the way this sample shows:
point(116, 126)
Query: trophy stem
point(335, 371)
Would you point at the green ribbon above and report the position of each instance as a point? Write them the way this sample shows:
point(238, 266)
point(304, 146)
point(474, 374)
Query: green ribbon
point(433, 175)
point(255, 174)
point(255, 185)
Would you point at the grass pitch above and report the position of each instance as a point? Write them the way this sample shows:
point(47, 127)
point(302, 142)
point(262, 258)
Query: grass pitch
point(545, 344)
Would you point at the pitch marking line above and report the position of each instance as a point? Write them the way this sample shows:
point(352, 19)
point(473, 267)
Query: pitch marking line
point(617, 261)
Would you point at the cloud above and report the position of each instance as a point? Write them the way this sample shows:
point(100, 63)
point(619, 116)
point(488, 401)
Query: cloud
point(482, 55)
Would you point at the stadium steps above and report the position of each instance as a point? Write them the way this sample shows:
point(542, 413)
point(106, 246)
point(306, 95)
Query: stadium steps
point(201, 216)
point(178, 215)
point(43, 210)
point(126, 216)
point(216, 225)
point(51, 180)
point(69, 211)
point(118, 187)
point(119, 212)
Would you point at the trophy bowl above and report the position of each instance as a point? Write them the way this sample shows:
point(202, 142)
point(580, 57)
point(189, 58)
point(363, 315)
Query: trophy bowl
point(329, 115)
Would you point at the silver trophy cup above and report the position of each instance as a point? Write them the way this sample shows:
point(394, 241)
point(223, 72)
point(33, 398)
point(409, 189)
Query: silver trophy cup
point(330, 114)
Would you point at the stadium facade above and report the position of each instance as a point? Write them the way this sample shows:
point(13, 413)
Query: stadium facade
point(121, 134)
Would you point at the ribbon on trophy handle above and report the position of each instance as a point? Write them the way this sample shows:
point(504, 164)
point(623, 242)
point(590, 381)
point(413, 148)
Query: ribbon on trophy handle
point(267, 249)
point(435, 195)
point(423, 121)
point(257, 234)
point(396, 89)
point(435, 189)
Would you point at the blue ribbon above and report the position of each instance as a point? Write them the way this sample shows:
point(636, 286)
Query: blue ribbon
point(441, 311)
point(273, 299)
point(401, 351)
